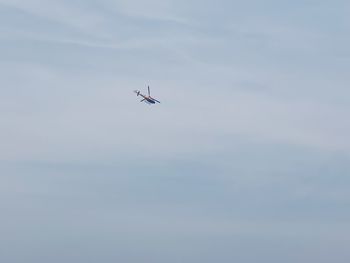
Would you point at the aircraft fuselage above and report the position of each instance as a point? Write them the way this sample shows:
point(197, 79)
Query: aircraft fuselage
point(148, 99)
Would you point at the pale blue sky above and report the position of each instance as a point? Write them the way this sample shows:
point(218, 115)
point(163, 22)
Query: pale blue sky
point(247, 158)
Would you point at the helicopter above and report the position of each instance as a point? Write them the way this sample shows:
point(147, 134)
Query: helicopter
point(148, 99)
